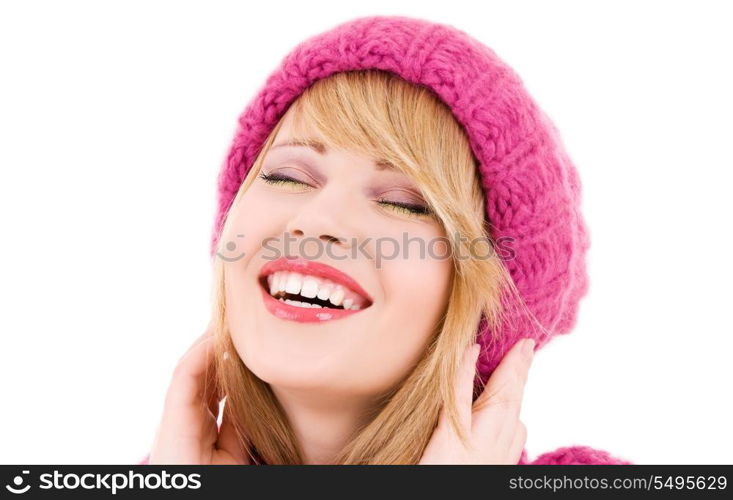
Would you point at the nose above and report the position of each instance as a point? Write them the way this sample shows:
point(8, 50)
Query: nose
point(321, 220)
point(326, 238)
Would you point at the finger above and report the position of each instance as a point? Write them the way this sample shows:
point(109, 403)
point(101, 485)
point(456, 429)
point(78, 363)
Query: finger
point(505, 388)
point(186, 429)
point(464, 384)
point(212, 392)
point(186, 425)
point(463, 396)
point(518, 442)
point(190, 374)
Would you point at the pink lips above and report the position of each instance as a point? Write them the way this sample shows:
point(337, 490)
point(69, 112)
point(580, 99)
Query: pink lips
point(308, 267)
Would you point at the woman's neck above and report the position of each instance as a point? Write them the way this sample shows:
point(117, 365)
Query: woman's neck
point(323, 424)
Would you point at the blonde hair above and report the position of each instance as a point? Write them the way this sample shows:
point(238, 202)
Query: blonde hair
point(379, 114)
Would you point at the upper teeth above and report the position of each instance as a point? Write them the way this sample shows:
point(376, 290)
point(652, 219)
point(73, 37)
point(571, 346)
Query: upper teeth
point(309, 287)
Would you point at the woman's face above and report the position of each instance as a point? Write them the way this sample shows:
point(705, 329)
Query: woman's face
point(355, 248)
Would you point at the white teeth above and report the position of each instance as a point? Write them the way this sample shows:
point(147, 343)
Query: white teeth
point(295, 281)
point(310, 287)
point(324, 291)
point(337, 296)
point(305, 305)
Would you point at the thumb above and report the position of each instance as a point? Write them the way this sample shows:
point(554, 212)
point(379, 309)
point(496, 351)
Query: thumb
point(505, 387)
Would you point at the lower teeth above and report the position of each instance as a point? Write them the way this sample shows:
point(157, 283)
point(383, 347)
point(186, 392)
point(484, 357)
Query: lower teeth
point(301, 304)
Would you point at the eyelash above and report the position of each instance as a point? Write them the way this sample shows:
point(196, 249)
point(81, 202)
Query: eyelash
point(406, 208)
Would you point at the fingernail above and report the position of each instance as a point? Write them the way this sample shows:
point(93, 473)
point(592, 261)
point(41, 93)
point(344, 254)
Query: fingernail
point(528, 348)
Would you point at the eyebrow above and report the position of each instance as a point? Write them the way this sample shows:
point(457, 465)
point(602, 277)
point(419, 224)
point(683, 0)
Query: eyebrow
point(313, 144)
point(321, 148)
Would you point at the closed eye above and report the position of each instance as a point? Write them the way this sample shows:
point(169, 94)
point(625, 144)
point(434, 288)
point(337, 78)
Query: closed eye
point(406, 208)
point(401, 207)
point(280, 179)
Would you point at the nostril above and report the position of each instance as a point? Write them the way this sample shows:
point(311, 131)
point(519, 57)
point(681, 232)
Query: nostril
point(331, 239)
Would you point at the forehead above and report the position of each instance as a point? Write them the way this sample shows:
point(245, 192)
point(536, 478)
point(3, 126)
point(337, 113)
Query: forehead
point(291, 136)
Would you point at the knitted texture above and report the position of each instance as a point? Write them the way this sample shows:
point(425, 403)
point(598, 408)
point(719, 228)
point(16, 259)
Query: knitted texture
point(575, 455)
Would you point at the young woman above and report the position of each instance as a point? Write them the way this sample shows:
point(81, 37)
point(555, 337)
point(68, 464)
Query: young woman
point(398, 230)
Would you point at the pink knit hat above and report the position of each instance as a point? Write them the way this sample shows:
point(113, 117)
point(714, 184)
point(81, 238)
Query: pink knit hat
point(531, 187)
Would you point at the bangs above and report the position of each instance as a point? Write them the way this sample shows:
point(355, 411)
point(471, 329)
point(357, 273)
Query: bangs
point(380, 115)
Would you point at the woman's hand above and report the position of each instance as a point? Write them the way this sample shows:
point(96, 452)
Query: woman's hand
point(495, 433)
point(188, 432)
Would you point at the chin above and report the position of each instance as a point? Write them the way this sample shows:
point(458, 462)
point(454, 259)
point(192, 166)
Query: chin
point(278, 368)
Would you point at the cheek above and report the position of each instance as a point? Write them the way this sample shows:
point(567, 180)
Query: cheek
point(417, 293)
point(241, 244)
point(250, 223)
point(244, 321)
point(415, 297)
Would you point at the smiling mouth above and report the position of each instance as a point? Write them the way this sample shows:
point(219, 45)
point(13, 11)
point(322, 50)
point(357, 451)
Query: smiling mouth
point(305, 291)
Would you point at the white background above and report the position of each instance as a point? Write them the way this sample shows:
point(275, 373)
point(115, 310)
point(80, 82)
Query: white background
point(114, 119)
